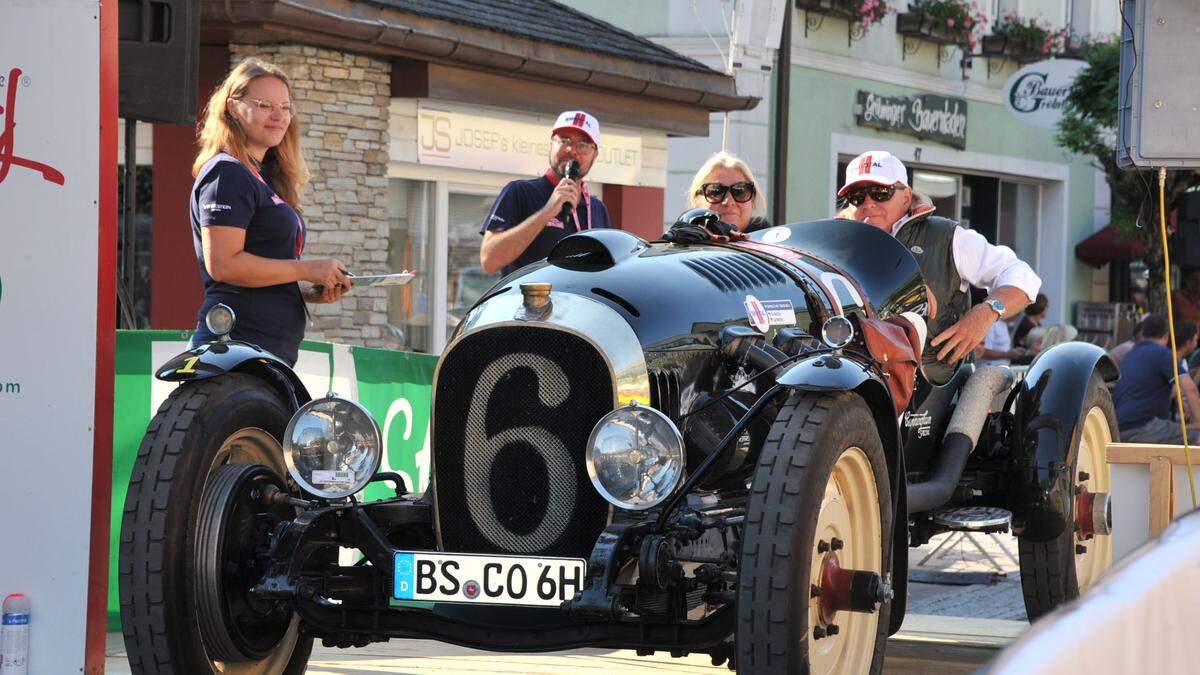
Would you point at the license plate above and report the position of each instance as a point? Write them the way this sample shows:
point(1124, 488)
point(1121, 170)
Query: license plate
point(486, 579)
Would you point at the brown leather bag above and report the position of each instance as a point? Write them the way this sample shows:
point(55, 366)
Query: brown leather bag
point(895, 344)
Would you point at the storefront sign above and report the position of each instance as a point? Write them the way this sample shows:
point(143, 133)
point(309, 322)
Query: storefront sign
point(50, 238)
point(461, 137)
point(1037, 93)
point(937, 118)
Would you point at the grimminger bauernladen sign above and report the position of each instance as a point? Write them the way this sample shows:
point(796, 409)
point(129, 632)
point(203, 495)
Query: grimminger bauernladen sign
point(937, 118)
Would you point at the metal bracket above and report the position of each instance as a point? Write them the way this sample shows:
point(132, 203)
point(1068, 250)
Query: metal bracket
point(854, 32)
point(995, 65)
point(812, 24)
point(909, 50)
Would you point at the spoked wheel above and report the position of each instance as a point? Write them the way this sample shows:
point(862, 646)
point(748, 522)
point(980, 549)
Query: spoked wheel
point(174, 521)
point(811, 596)
point(1056, 571)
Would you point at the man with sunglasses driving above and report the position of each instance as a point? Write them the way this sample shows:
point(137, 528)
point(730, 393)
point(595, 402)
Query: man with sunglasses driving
point(527, 219)
point(951, 258)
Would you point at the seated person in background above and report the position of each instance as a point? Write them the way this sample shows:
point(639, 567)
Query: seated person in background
point(1186, 299)
point(998, 347)
point(1035, 314)
point(1142, 397)
point(1117, 353)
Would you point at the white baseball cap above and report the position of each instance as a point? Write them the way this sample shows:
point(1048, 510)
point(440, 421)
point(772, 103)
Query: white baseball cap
point(876, 167)
point(580, 121)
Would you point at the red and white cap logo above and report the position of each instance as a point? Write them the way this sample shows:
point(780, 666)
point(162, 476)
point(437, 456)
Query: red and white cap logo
point(580, 121)
point(875, 167)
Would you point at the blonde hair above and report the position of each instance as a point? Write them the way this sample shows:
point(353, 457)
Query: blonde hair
point(724, 160)
point(221, 131)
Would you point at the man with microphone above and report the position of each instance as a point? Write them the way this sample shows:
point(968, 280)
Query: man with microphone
point(530, 216)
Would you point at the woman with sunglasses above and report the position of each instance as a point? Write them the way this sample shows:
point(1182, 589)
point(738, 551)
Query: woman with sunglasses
point(245, 214)
point(952, 258)
point(725, 184)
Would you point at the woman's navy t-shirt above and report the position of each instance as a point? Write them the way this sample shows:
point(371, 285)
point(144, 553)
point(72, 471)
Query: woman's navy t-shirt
point(226, 193)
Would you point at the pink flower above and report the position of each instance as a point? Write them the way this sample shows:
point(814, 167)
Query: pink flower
point(950, 23)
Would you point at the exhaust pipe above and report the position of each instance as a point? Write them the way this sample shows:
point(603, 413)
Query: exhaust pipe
point(961, 436)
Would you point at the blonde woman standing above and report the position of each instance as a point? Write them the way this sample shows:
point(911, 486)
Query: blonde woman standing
point(245, 213)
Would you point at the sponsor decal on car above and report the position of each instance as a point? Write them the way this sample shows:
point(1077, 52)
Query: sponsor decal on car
point(766, 313)
point(777, 234)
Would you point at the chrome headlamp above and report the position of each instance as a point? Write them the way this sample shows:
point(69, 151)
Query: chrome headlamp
point(332, 447)
point(837, 332)
point(635, 457)
point(220, 319)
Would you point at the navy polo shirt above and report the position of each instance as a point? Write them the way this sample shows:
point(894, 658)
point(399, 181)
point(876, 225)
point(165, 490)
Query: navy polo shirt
point(521, 199)
point(1146, 385)
point(227, 193)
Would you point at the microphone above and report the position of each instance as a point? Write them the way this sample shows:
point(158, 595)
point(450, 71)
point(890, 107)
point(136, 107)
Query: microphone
point(567, 216)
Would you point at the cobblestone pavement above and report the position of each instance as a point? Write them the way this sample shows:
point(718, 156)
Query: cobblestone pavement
point(962, 558)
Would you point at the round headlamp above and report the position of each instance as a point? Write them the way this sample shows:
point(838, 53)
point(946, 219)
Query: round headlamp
point(635, 457)
point(220, 319)
point(837, 332)
point(332, 447)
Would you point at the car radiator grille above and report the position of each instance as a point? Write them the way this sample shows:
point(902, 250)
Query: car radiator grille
point(513, 409)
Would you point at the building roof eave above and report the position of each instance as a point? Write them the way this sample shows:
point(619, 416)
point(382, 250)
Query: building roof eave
point(388, 32)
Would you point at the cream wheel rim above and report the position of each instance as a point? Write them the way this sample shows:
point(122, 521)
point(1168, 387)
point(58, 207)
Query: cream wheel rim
point(849, 512)
point(252, 445)
point(1093, 446)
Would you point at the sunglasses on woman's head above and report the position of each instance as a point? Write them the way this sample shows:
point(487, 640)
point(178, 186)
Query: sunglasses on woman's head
point(742, 192)
point(879, 193)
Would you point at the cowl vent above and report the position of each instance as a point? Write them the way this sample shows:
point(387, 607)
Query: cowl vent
point(735, 271)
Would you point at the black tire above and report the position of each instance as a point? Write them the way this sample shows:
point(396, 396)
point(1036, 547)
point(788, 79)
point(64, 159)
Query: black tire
point(1051, 571)
point(813, 434)
point(229, 419)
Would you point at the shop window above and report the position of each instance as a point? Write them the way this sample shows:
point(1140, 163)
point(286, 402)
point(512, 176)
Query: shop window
point(942, 189)
point(466, 280)
point(410, 216)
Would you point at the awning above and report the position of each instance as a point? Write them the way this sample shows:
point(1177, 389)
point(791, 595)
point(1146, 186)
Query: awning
point(1107, 245)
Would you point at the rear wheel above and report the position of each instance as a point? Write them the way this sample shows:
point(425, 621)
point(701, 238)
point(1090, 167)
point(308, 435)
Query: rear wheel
point(173, 523)
point(1056, 571)
point(818, 530)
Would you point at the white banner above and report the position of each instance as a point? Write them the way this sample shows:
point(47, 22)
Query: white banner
point(1037, 93)
point(49, 185)
point(463, 137)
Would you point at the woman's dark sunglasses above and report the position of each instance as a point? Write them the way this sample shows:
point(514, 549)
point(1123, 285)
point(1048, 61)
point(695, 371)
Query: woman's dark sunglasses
point(880, 193)
point(742, 192)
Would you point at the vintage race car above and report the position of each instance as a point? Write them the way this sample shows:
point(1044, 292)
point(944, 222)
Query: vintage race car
point(649, 446)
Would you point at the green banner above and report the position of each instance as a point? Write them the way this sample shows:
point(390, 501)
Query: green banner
point(395, 387)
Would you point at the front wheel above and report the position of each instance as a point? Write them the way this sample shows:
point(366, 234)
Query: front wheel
point(1056, 571)
point(168, 550)
point(810, 596)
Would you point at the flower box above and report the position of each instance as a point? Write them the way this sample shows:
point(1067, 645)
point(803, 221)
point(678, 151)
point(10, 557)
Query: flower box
point(927, 27)
point(841, 9)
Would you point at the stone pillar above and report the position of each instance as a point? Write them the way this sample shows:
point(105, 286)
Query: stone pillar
point(342, 102)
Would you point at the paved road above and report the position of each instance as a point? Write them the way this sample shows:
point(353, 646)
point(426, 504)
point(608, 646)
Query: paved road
point(926, 646)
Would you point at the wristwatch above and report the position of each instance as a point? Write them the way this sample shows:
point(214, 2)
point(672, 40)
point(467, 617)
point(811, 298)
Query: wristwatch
point(997, 306)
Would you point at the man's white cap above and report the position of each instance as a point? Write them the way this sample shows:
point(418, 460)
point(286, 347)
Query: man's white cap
point(580, 121)
point(874, 167)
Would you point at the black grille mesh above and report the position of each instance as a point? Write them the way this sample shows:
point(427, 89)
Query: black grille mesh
point(735, 271)
point(512, 413)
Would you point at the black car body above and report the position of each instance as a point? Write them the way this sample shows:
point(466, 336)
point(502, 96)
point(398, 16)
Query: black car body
point(716, 337)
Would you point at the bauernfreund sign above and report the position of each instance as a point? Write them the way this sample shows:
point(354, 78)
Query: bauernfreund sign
point(937, 118)
point(1036, 93)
